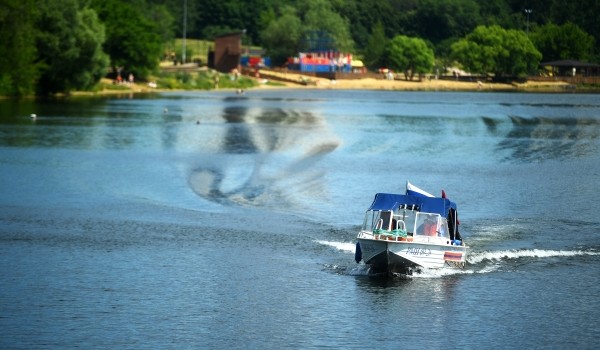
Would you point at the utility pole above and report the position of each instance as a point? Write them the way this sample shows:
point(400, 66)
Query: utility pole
point(184, 30)
point(528, 12)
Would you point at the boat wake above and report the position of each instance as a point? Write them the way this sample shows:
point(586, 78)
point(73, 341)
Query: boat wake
point(348, 247)
point(477, 262)
point(503, 255)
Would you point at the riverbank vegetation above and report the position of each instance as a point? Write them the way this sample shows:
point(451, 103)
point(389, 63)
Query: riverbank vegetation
point(59, 46)
point(181, 80)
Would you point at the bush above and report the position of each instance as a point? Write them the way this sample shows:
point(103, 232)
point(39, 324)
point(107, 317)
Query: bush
point(204, 80)
point(6, 86)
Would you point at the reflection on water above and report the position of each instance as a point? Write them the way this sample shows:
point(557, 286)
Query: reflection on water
point(538, 139)
point(237, 137)
point(83, 123)
point(263, 145)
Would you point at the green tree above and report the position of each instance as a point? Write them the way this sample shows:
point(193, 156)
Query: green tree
point(209, 18)
point(498, 12)
point(164, 20)
point(566, 41)
point(194, 24)
point(437, 20)
point(364, 16)
point(410, 55)
point(213, 31)
point(18, 69)
point(496, 50)
point(312, 26)
point(281, 38)
point(583, 13)
point(133, 41)
point(441, 22)
point(374, 52)
point(265, 18)
point(319, 16)
point(69, 46)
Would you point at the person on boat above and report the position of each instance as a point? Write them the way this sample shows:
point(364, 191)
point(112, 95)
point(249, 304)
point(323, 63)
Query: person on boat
point(428, 228)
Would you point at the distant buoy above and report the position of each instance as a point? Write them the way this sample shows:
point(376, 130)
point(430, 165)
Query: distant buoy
point(166, 110)
point(358, 253)
point(197, 122)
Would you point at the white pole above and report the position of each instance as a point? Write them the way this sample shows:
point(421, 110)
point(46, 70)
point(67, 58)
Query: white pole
point(528, 12)
point(184, 30)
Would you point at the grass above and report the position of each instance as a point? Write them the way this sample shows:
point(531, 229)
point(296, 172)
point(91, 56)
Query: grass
point(195, 50)
point(103, 85)
point(198, 80)
point(202, 80)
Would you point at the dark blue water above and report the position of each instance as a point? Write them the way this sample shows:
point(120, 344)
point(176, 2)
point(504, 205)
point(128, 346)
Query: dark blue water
point(212, 220)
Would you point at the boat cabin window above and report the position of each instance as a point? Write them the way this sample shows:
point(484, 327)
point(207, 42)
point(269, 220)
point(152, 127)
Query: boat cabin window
point(408, 217)
point(427, 224)
point(375, 219)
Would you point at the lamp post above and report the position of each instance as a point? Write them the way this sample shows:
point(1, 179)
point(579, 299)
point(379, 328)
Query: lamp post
point(184, 30)
point(528, 12)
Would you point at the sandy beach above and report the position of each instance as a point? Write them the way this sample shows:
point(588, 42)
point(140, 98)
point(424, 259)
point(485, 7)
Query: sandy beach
point(415, 85)
point(299, 81)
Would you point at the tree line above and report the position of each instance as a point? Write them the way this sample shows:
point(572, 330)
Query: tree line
point(49, 46)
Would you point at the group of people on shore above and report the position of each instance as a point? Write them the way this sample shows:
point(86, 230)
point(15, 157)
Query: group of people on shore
point(119, 80)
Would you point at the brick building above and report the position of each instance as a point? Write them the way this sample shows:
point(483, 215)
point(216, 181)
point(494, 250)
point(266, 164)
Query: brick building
point(228, 51)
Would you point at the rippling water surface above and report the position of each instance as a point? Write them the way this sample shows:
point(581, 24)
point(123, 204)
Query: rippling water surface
point(215, 220)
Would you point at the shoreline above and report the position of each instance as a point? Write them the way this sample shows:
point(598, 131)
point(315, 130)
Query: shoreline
point(368, 84)
point(293, 81)
point(307, 82)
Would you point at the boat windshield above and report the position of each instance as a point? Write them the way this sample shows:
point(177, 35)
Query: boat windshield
point(414, 222)
point(406, 218)
point(377, 219)
point(427, 224)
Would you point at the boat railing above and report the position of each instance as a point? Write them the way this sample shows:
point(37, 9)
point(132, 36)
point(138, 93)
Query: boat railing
point(400, 225)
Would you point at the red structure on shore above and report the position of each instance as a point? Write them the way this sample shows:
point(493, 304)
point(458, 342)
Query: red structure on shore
point(227, 53)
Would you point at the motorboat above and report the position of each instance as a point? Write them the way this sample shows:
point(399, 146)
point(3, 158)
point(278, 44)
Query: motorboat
point(403, 233)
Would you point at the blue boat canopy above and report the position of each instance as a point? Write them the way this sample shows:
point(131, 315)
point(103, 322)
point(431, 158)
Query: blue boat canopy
point(390, 201)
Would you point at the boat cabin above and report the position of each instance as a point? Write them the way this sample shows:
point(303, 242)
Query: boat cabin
point(414, 216)
point(410, 221)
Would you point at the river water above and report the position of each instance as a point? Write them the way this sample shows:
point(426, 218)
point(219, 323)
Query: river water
point(215, 220)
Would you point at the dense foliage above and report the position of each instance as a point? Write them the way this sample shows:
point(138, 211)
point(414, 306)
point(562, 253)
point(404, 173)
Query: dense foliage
point(283, 34)
point(69, 47)
point(410, 55)
point(57, 45)
point(18, 67)
point(51, 46)
point(375, 49)
point(496, 50)
point(563, 42)
point(134, 40)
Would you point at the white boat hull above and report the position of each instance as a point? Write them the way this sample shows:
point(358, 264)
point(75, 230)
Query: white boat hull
point(404, 256)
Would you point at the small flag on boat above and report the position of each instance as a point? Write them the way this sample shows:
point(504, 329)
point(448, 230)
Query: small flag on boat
point(415, 191)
